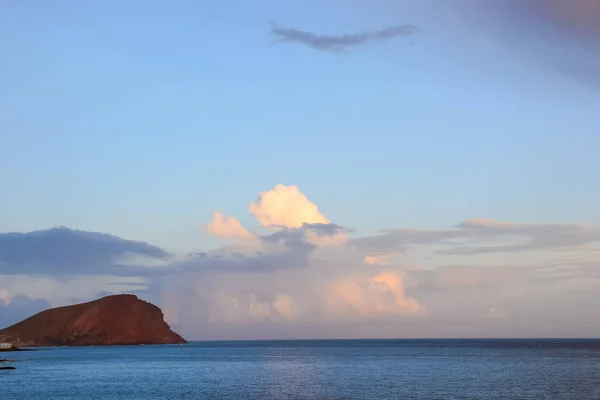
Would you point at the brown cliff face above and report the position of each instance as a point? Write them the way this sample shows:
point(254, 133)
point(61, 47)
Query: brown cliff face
point(113, 320)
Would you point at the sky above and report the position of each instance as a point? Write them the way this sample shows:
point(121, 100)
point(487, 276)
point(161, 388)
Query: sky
point(305, 169)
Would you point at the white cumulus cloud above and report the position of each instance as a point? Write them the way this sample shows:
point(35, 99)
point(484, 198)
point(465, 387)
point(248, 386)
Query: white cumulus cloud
point(285, 206)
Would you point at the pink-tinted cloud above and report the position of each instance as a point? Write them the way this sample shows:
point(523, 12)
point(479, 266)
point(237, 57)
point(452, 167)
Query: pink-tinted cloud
point(383, 259)
point(382, 294)
point(226, 227)
point(284, 306)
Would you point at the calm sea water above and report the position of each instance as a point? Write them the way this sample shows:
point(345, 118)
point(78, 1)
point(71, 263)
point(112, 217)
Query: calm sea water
point(372, 369)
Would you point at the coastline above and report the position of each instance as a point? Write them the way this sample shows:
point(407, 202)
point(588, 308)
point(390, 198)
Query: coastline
point(9, 349)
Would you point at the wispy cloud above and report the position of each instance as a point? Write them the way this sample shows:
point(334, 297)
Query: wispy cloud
point(340, 43)
point(499, 236)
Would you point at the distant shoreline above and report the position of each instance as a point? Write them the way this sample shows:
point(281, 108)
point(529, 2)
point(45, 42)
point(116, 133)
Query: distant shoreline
point(9, 349)
point(509, 339)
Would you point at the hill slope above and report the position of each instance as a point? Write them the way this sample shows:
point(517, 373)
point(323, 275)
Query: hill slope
point(113, 320)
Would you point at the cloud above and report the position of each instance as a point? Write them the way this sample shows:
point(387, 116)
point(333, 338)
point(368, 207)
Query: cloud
point(395, 240)
point(4, 297)
point(495, 314)
point(282, 249)
point(526, 237)
point(226, 227)
point(383, 259)
point(292, 289)
point(301, 272)
point(284, 306)
point(303, 277)
point(285, 206)
point(514, 281)
point(382, 294)
point(322, 293)
point(19, 308)
point(501, 237)
point(320, 234)
point(343, 42)
point(460, 278)
point(67, 289)
point(65, 251)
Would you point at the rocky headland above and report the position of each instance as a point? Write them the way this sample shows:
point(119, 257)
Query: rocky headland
point(113, 320)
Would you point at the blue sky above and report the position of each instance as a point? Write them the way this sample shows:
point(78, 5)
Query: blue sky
point(142, 119)
point(153, 116)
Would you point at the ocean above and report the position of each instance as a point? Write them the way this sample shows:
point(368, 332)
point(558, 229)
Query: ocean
point(313, 369)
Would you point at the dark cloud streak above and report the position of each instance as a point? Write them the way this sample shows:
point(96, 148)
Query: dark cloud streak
point(343, 42)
